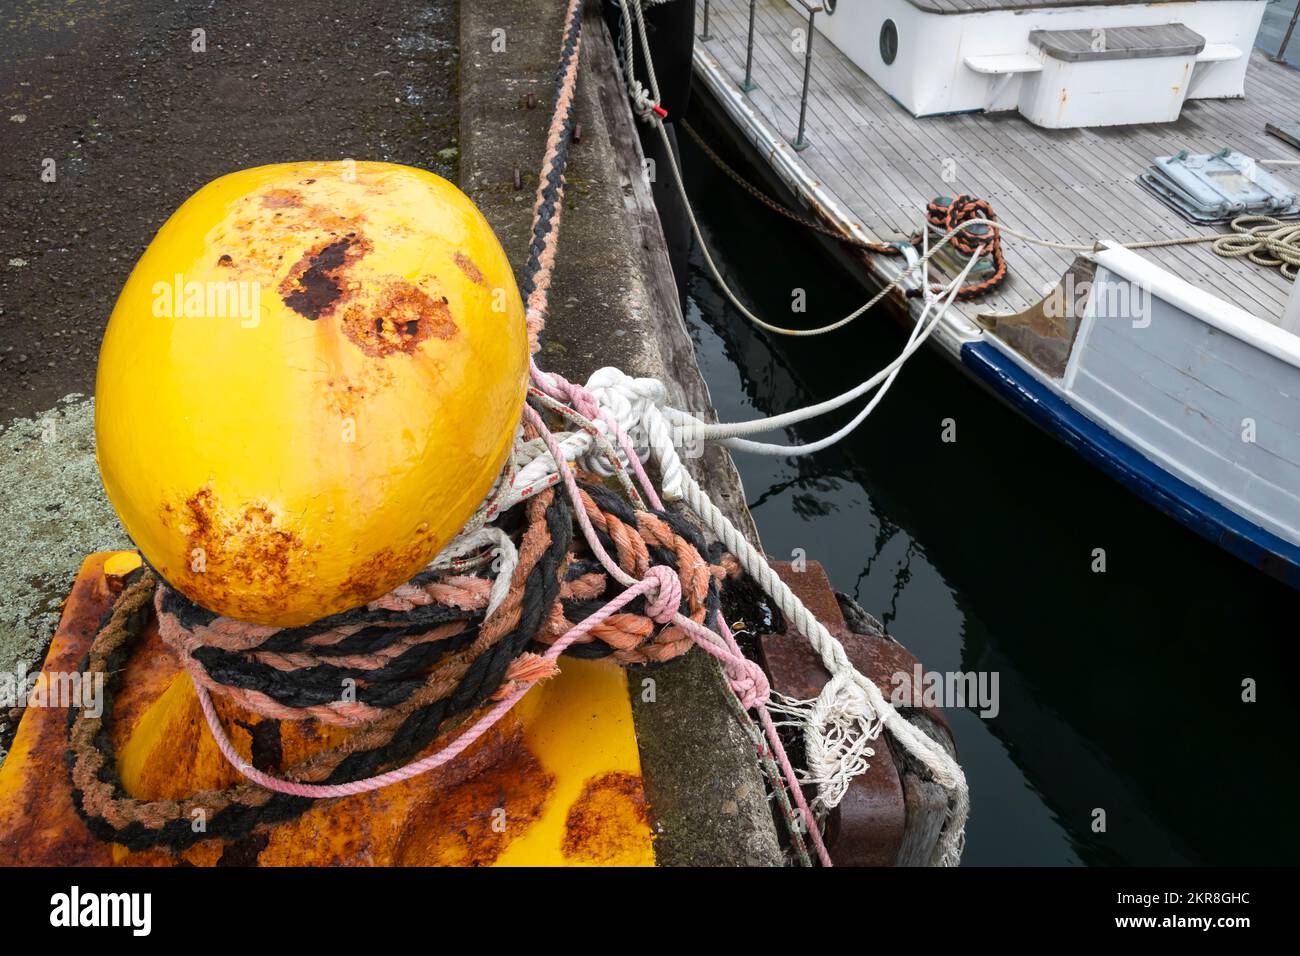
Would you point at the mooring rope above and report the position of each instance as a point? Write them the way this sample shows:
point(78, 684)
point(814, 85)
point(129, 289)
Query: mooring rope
point(645, 103)
point(731, 435)
point(853, 242)
point(450, 650)
point(841, 724)
point(549, 204)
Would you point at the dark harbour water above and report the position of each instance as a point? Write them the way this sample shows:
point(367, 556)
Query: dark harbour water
point(1120, 691)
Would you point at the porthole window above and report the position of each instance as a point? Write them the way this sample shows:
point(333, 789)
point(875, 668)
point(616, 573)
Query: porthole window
point(828, 6)
point(888, 42)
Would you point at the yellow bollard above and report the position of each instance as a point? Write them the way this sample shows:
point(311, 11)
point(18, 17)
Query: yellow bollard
point(557, 782)
point(309, 383)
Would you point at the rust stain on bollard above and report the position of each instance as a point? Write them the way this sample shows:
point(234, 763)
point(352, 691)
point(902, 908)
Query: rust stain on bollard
point(605, 818)
point(509, 799)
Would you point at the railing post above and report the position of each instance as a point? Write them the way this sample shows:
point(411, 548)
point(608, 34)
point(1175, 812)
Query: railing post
point(705, 37)
point(799, 142)
point(749, 85)
point(1281, 51)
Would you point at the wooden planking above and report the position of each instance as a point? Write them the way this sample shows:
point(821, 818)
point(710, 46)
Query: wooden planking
point(1122, 43)
point(883, 164)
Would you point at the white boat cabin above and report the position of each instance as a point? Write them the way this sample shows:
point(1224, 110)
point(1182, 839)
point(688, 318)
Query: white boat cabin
point(1062, 65)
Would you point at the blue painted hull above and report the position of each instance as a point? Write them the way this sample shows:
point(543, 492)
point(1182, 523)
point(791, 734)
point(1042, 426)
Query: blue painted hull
point(1195, 509)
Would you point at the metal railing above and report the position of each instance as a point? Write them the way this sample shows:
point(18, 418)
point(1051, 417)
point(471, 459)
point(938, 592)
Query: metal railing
point(749, 85)
point(813, 7)
point(1286, 40)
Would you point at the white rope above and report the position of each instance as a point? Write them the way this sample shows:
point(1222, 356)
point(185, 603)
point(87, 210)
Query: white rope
point(729, 435)
point(848, 715)
point(893, 284)
point(473, 544)
point(850, 711)
point(842, 722)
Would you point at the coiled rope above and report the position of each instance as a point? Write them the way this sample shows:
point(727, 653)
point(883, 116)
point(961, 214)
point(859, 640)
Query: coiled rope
point(1265, 241)
point(949, 215)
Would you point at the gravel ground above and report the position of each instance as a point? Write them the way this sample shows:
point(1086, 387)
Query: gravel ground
point(135, 120)
point(54, 514)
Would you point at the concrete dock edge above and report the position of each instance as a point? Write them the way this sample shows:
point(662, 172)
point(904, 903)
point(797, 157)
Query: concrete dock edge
point(614, 302)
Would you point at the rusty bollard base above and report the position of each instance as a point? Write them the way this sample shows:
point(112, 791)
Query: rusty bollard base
point(557, 782)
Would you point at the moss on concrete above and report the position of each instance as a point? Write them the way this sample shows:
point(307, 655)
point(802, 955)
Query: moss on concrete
point(613, 302)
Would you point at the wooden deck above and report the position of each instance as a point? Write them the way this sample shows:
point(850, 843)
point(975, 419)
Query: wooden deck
point(884, 165)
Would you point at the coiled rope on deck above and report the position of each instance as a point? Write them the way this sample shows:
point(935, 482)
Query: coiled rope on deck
point(1265, 241)
point(950, 215)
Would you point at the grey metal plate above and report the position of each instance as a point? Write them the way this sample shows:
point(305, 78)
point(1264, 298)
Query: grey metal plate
point(1287, 132)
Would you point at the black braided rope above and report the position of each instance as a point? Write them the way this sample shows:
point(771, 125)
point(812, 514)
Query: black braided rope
point(553, 182)
point(384, 686)
point(322, 684)
point(484, 675)
point(418, 730)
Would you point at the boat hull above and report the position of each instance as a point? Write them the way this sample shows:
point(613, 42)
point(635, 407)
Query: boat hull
point(1245, 531)
point(1026, 393)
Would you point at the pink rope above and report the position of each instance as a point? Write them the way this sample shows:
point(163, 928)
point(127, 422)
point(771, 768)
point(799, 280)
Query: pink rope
point(654, 580)
point(558, 387)
point(745, 677)
point(660, 585)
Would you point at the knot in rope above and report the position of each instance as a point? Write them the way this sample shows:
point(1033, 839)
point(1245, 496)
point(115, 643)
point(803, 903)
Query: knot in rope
point(622, 398)
point(624, 395)
point(638, 405)
point(748, 682)
point(667, 596)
